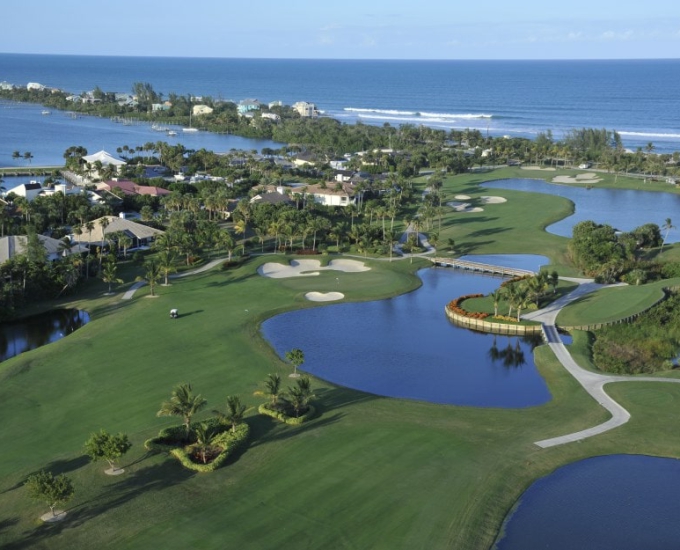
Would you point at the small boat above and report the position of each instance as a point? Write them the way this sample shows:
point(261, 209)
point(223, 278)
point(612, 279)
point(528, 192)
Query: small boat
point(172, 133)
point(189, 129)
point(46, 112)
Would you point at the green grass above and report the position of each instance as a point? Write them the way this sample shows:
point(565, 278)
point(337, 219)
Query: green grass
point(612, 304)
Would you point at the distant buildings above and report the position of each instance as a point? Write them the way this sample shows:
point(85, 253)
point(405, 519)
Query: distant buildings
point(198, 110)
point(246, 105)
point(305, 109)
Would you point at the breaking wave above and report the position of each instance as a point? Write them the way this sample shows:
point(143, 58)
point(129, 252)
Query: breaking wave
point(424, 114)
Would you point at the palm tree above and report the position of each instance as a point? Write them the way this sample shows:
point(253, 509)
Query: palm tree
point(667, 226)
point(296, 357)
point(28, 156)
point(152, 273)
point(125, 242)
point(183, 403)
point(300, 395)
point(166, 263)
point(205, 437)
point(235, 412)
point(496, 296)
point(272, 389)
point(109, 272)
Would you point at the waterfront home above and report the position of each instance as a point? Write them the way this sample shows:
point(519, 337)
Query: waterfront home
point(246, 105)
point(131, 188)
point(142, 235)
point(271, 116)
point(165, 106)
point(14, 245)
point(198, 110)
point(305, 109)
point(272, 194)
point(105, 159)
point(27, 190)
point(331, 194)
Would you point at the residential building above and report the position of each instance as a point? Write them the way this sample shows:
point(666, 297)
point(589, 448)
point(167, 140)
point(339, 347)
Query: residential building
point(246, 105)
point(198, 110)
point(27, 190)
point(305, 109)
point(14, 245)
point(131, 188)
point(142, 235)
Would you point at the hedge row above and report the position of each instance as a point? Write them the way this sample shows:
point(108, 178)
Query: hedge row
point(229, 441)
point(292, 420)
point(454, 306)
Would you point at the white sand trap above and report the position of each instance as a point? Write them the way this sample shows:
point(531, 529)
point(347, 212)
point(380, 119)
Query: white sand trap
point(494, 200)
point(464, 207)
point(462, 197)
point(590, 178)
point(324, 296)
point(348, 266)
point(537, 168)
point(308, 268)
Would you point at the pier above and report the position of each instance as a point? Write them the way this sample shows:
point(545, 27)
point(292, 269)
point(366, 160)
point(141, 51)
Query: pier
point(483, 268)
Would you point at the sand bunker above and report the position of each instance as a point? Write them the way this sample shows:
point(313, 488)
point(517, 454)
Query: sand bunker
point(324, 296)
point(464, 207)
point(493, 200)
point(462, 197)
point(309, 268)
point(587, 177)
point(537, 168)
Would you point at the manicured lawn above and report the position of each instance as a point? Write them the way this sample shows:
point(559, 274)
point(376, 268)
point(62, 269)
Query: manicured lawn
point(612, 304)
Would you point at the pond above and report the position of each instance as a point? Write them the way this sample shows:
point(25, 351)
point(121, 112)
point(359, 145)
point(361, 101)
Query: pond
point(616, 502)
point(32, 332)
point(623, 209)
point(406, 347)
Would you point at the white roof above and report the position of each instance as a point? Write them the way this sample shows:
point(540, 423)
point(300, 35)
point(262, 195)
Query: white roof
point(104, 158)
point(12, 245)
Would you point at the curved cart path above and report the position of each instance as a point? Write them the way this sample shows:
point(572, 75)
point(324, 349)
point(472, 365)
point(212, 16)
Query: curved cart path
point(592, 382)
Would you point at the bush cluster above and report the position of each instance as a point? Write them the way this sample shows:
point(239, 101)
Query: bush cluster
point(228, 441)
point(281, 416)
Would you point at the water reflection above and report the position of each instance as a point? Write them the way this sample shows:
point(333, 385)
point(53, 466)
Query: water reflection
point(33, 332)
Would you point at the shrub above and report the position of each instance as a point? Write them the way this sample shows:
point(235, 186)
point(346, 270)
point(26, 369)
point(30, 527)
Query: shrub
point(283, 417)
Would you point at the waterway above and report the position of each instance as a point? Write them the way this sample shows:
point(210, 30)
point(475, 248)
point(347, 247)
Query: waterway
point(623, 209)
point(46, 137)
point(616, 502)
point(406, 347)
point(32, 332)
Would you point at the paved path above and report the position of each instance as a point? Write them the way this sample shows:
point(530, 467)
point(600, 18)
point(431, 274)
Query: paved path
point(131, 291)
point(592, 382)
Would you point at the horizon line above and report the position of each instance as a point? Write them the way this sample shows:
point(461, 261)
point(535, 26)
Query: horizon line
point(555, 59)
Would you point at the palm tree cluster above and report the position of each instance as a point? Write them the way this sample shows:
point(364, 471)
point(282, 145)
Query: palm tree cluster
point(293, 402)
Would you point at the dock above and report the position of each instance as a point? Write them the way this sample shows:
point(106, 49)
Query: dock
point(483, 268)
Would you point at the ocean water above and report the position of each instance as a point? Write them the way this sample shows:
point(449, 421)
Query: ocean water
point(637, 98)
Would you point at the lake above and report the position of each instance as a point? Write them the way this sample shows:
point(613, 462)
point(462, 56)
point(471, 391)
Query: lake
point(616, 502)
point(32, 332)
point(406, 347)
point(623, 209)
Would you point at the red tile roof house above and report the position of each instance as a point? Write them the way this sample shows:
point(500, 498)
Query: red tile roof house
point(131, 188)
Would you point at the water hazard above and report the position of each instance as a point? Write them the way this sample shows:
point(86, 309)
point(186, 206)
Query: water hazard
point(33, 332)
point(617, 502)
point(623, 209)
point(406, 347)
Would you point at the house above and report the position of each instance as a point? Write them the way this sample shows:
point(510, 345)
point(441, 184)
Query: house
point(271, 116)
point(6, 86)
point(275, 104)
point(198, 110)
point(27, 190)
point(332, 194)
point(35, 86)
point(271, 194)
point(131, 188)
point(14, 245)
point(105, 158)
point(165, 106)
point(64, 189)
point(304, 158)
point(305, 109)
point(141, 235)
point(246, 105)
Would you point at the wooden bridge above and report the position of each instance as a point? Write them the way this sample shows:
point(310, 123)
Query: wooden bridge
point(484, 268)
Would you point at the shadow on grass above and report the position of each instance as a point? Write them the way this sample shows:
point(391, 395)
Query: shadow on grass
point(487, 232)
point(56, 467)
point(152, 478)
point(8, 522)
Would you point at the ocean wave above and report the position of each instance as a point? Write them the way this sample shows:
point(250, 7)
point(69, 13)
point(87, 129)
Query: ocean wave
point(405, 119)
point(424, 114)
point(649, 134)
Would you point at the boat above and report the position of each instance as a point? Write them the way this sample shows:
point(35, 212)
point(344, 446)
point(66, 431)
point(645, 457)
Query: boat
point(190, 128)
point(46, 112)
point(172, 133)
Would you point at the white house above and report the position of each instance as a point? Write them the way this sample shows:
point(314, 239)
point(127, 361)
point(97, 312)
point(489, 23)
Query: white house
point(305, 109)
point(18, 244)
point(271, 116)
point(334, 194)
point(27, 190)
point(105, 158)
point(198, 110)
point(35, 86)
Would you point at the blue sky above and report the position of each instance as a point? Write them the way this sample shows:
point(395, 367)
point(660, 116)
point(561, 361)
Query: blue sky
point(350, 29)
